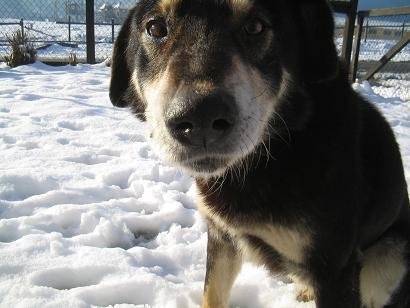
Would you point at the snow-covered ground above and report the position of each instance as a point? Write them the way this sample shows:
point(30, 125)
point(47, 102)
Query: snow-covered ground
point(90, 217)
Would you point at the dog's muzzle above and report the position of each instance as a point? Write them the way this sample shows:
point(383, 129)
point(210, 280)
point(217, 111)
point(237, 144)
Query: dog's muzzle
point(201, 122)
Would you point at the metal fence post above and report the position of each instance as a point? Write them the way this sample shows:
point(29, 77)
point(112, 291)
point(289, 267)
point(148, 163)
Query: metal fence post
point(69, 28)
point(402, 29)
point(112, 30)
point(22, 27)
point(89, 20)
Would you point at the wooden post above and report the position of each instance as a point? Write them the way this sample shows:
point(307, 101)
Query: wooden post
point(349, 32)
point(112, 30)
point(357, 41)
point(69, 28)
point(89, 20)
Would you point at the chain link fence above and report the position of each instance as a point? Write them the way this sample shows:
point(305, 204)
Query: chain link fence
point(57, 28)
point(381, 35)
point(109, 17)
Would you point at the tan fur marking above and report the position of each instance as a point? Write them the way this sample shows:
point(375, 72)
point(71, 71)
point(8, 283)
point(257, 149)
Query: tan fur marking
point(168, 5)
point(220, 281)
point(306, 292)
point(226, 267)
point(203, 87)
point(207, 213)
point(384, 266)
point(240, 7)
point(250, 254)
point(136, 85)
point(290, 242)
point(156, 89)
point(157, 94)
point(305, 295)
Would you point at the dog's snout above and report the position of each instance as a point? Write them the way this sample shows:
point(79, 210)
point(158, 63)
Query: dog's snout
point(202, 121)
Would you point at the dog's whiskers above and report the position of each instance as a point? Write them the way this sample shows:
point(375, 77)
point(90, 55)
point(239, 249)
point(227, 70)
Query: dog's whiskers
point(284, 123)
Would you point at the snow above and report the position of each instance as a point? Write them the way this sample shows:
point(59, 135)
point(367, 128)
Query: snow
point(393, 85)
point(90, 217)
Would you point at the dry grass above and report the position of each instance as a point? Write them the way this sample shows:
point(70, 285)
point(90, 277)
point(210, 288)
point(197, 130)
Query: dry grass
point(22, 50)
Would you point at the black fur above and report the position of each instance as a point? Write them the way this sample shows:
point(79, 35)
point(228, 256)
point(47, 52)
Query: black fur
point(340, 171)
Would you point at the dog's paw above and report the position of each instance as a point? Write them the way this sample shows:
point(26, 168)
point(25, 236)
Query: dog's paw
point(305, 295)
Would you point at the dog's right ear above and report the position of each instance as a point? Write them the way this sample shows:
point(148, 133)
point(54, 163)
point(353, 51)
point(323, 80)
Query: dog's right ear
point(122, 93)
point(319, 59)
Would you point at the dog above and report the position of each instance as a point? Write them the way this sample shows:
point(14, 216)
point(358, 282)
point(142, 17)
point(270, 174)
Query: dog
point(294, 170)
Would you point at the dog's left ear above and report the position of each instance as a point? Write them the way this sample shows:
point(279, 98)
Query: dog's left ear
point(121, 92)
point(319, 59)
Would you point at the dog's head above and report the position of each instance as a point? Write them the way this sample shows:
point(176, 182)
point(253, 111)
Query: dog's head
point(209, 75)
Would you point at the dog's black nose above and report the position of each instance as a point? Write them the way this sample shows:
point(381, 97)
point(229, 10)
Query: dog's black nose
point(201, 121)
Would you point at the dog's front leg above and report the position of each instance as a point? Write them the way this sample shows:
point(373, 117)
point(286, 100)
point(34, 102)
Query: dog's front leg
point(223, 264)
point(341, 288)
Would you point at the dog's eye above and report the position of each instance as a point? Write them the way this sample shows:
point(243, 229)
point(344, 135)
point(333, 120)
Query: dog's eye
point(254, 26)
point(157, 28)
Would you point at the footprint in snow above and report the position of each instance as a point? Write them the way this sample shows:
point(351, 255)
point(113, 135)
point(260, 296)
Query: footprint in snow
point(63, 141)
point(118, 178)
point(94, 82)
point(9, 139)
point(29, 145)
point(81, 96)
point(131, 137)
point(135, 291)
point(66, 278)
point(71, 125)
point(8, 270)
point(89, 159)
point(110, 152)
point(19, 187)
point(146, 152)
point(29, 97)
point(88, 175)
point(35, 119)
